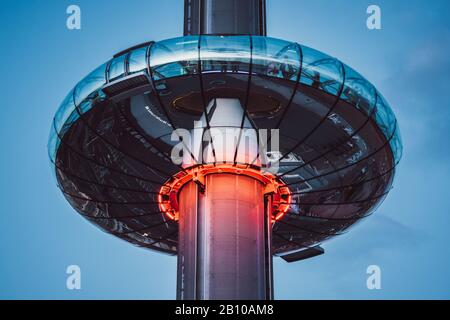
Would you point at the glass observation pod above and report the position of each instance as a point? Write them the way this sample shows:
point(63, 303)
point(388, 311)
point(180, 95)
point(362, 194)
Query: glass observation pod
point(110, 143)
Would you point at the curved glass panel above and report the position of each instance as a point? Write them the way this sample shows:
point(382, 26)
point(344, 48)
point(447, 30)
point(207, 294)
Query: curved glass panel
point(137, 60)
point(231, 54)
point(174, 57)
point(117, 68)
point(321, 71)
point(225, 54)
point(84, 107)
point(358, 91)
point(89, 85)
point(276, 65)
point(69, 121)
point(384, 117)
point(64, 111)
point(275, 58)
point(397, 145)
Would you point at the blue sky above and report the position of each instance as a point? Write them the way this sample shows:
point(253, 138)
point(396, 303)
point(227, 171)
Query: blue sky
point(408, 60)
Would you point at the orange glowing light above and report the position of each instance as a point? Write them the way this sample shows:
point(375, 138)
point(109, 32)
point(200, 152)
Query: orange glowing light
point(168, 194)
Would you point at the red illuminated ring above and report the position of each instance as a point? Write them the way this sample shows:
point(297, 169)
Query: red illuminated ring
point(168, 194)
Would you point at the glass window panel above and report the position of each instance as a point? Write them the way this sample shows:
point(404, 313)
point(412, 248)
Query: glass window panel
point(117, 68)
point(358, 91)
point(384, 117)
point(397, 145)
point(275, 58)
point(52, 148)
point(64, 111)
point(273, 61)
point(137, 61)
point(70, 120)
point(225, 54)
point(89, 86)
point(174, 57)
point(84, 107)
point(321, 71)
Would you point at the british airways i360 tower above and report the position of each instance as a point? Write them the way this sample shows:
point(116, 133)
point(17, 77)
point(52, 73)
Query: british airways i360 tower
point(225, 147)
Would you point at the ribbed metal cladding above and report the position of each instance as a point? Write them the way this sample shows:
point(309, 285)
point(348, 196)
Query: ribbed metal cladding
point(231, 17)
point(224, 247)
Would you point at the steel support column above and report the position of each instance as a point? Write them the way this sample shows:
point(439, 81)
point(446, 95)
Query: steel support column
point(225, 17)
point(224, 240)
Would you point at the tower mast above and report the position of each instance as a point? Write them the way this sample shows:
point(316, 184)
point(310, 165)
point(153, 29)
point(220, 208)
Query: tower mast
point(225, 218)
point(231, 17)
